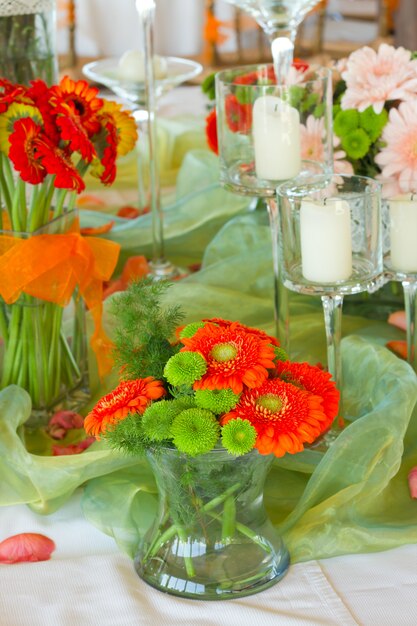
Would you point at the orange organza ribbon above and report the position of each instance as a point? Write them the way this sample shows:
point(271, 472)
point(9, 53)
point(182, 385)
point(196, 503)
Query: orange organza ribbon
point(49, 267)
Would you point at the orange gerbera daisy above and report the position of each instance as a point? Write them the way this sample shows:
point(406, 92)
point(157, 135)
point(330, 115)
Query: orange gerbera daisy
point(283, 415)
point(235, 357)
point(254, 331)
point(23, 151)
point(83, 97)
point(130, 396)
point(314, 380)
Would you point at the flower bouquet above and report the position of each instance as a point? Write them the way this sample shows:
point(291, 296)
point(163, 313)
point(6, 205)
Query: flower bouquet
point(210, 410)
point(49, 138)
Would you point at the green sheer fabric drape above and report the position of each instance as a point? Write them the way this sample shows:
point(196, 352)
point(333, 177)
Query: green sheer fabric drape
point(352, 499)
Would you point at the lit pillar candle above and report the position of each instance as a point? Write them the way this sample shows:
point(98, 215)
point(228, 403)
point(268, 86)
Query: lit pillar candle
point(276, 139)
point(403, 233)
point(326, 242)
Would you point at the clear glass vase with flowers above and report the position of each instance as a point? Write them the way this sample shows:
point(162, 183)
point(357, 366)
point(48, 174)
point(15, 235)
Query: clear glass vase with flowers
point(210, 404)
point(49, 138)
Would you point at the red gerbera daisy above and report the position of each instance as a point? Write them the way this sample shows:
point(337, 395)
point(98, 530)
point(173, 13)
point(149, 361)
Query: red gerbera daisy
point(255, 331)
point(40, 94)
point(211, 131)
point(72, 130)
point(234, 357)
point(23, 150)
point(314, 380)
point(10, 92)
point(83, 97)
point(130, 396)
point(238, 116)
point(283, 415)
point(56, 162)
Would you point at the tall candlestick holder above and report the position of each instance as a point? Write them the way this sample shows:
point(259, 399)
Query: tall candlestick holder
point(330, 245)
point(161, 267)
point(269, 133)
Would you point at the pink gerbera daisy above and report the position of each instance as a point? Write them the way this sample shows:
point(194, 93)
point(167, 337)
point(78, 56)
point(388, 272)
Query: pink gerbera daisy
point(398, 159)
point(312, 146)
point(373, 77)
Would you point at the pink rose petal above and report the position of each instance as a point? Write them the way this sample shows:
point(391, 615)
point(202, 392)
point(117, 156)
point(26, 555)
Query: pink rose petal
point(398, 319)
point(412, 482)
point(73, 448)
point(24, 547)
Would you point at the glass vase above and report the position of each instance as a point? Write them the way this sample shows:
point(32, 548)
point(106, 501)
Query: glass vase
point(27, 41)
point(43, 345)
point(212, 539)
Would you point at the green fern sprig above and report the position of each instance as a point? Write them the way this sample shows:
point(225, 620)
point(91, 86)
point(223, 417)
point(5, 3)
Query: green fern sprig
point(143, 329)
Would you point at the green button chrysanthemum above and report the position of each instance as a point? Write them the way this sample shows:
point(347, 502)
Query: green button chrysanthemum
point(345, 122)
point(195, 431)
point(356, 144)
point(157, 419)
point(216, 400)
point(191, 329)
point(184, 368)
point(238, 436)
point(373, 123)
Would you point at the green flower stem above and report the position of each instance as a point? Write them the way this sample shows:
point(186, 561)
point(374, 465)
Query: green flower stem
point(16, 217)
point(29, 342)
point(10, 353)
point(54, 313)
point(228, 519)
point(247, 532)
point(68, 362)
point(220, 499)
point(59, 202)
point(189, 567)
point(4, 325)
point(5, 191)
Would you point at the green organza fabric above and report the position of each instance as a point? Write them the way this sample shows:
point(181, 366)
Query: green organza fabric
point(352, 499)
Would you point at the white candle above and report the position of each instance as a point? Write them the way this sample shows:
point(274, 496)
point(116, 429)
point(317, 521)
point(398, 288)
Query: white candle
point(276, 139)
point(403, 233)
point(326, 242)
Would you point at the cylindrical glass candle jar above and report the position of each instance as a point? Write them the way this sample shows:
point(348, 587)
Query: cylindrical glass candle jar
point(269, 133)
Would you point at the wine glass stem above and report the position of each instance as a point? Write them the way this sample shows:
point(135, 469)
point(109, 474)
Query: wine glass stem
point(285, 31)
point(281, 303)
point(332, 309)
point(154, 181)
point(410, 293)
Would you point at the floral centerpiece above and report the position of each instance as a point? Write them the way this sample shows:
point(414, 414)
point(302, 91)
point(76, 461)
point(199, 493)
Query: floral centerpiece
point(49, 138)
point(210, 409)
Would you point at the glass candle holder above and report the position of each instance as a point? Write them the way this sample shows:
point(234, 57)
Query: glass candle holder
point(400, 253)
point(269, 133)
point(330, 245)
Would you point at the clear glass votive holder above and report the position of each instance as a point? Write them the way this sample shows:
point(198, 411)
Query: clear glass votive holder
point(268, 133)
point(330, 245)
point(400, 251)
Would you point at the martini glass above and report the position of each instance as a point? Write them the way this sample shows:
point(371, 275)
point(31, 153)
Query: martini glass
point(277, 18)
point(177, 70)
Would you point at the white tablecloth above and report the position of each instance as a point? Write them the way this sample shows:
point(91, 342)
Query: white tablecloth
point(88, 581)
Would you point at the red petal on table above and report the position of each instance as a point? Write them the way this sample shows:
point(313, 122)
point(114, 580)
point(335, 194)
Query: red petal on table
point(24, 547)
point(88, 200)
point(412, 482)
point(135, 267)
point(62, 421)
point(67, 419)
point(97, 230)
point(130, 212)
point(398, 319)
point(73, 448)
point(398, 347)
point(113, 286)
